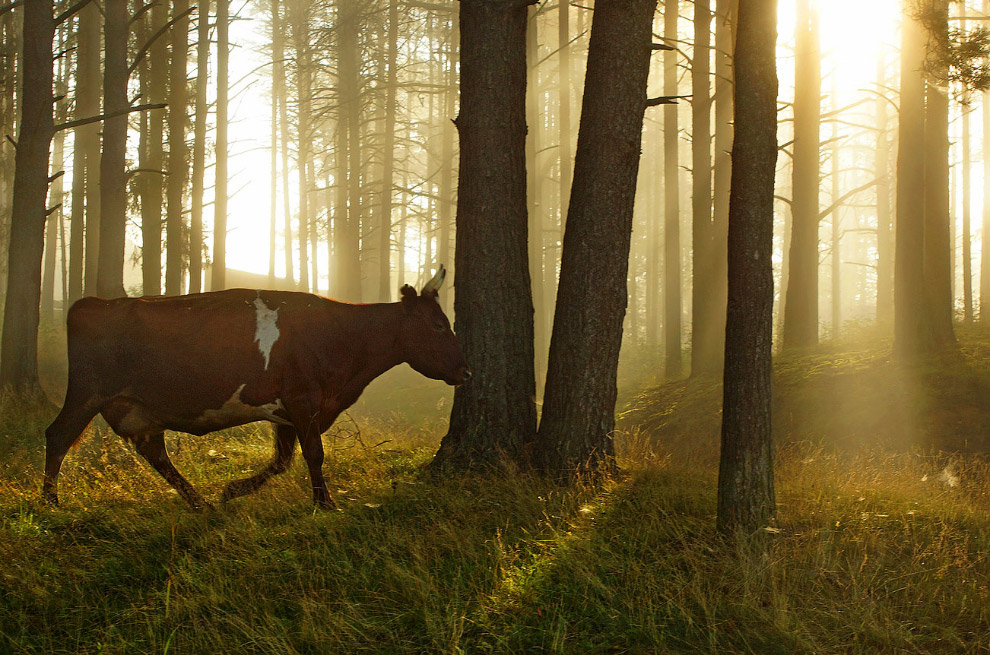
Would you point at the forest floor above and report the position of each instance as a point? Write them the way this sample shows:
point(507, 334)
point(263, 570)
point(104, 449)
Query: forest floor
point(881, 543)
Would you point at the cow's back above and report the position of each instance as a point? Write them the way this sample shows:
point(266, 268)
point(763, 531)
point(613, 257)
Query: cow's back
point(176, 347)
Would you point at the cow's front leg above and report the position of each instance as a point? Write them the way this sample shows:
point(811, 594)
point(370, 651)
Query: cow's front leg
point(312, 450)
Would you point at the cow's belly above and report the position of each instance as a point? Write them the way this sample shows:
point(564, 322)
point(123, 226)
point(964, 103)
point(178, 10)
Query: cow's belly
point(130, 416)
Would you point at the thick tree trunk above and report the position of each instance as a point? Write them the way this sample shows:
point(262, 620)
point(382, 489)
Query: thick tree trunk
point(19, 341)
point(578, 418)
point(801, 305)
point(178, 169)
point(938, 242)
point(89, 138)
point(745, 480)
point(494, 415)
point(199, 149)
point(113, 175)
point(300, 34)
point(672, 204)
point(702, 334)
point(219, 272)
point(912, 324)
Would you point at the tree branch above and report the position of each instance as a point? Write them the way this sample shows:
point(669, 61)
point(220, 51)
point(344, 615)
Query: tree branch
point(10, 5)
point(79, 122)
point(52, 178)
point(68, 13)
point(52, 210)
point(154, 37)
point(835, 205)
point(664, 100)
point(12, 142)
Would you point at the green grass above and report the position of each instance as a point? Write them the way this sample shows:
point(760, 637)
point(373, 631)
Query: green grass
point(873, 550)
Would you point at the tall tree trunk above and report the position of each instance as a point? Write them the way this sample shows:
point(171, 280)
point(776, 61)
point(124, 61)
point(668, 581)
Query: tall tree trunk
point(199, 149)
point(703, 357)
point(113, 175)
point(388, 162)
point(745, 481)
point(536, 203)
point(885, 246)
point(712, 340)
point(87, 141)
point(985, 234)
point(280, 94)
point(493, 415)
point(349, 246)
point(564, 100)
point(672, 205)
point(912, 331)
point(836, 220)
point(446, 192)
point(156, 73)
point(937, 240)
point(177, 151)
point(578, 418)
point(19, 340)
point(801, 305)
point(300, 33)
point(55, 192)
point(967, 237)
point(90, 139)
point(219, 272)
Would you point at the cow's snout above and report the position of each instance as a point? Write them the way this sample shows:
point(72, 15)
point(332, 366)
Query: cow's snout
point(462, 376)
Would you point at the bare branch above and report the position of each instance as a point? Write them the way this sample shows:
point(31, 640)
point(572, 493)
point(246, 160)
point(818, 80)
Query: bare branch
point(79, 122)
point(664, 100)
point(70, 12)
point(154, 37)
point(10, 5)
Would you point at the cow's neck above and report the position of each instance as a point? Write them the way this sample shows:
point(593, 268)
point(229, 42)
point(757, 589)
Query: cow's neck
point(373, 342)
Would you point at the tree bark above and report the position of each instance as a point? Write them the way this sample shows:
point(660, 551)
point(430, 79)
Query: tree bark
point(385, 290)
point(113, 175)
point(156, 73)
point(672, 205)
point(178, 170)
point(19, 340)
point(710, 341)
point(199, 148)
point(801, 304)
point(885, 246)
point(219, 272)
point(745, 482)
point(280, 94)
point(494, 415)
point(702, 341)
point(938, 243)
point(575, 436)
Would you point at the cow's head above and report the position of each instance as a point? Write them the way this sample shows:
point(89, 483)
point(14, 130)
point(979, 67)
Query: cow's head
point(428, 344)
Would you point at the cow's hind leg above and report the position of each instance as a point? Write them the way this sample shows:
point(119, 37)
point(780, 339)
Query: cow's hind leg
point(152, 448)
point(75, 415)
point(285, 443)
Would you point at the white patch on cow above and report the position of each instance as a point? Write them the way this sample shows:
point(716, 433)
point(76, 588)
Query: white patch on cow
point(234, 412)
point(266, 333)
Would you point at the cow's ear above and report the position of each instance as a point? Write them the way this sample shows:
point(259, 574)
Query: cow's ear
point(408, 293)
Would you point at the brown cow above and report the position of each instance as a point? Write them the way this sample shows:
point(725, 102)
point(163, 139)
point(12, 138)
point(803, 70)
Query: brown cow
point(211, 361)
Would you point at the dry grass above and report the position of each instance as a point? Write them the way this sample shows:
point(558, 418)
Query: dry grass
point(874, 551)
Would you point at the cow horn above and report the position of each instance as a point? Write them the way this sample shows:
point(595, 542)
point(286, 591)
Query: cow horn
point(434, 284)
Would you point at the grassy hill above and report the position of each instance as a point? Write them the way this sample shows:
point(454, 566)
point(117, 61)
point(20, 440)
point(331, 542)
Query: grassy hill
point(881, 543)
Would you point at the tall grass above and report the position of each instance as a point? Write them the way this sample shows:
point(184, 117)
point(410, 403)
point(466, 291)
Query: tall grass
point(874, 550)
